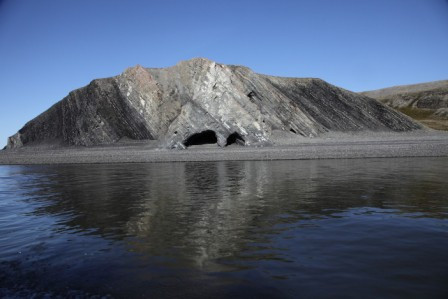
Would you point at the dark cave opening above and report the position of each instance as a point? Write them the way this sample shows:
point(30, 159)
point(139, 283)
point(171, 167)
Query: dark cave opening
point(235, 138)
point(293, 131)
point(205, 137)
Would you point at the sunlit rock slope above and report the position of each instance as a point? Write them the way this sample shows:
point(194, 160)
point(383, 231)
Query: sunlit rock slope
point(425, 102)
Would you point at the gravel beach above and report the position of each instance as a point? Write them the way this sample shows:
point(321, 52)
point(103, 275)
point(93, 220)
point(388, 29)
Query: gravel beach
point(422, 143)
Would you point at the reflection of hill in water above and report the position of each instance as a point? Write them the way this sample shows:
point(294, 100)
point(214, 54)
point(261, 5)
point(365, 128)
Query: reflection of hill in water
point(206, 211)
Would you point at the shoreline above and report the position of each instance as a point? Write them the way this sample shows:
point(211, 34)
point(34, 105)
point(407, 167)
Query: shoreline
point(342, 146)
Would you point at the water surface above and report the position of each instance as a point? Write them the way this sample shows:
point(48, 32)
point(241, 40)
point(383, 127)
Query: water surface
point(284, 229)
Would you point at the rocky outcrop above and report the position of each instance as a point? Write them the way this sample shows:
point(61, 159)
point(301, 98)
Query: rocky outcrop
point(199, 101)
point(425, 102)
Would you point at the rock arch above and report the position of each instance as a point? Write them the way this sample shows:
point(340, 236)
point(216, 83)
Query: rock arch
point(235, 138)
point(204, 137)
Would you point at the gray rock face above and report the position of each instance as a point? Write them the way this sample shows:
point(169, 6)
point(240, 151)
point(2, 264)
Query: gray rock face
point(199, 101)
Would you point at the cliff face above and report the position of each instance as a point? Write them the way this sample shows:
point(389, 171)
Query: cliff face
point(199, 99)
point(425, 102)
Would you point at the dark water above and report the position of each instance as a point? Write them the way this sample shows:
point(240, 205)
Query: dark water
point(371, 228)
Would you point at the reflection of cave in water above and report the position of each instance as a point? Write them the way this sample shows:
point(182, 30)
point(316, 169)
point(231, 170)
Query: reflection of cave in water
point(205, 215)
point(201, 212)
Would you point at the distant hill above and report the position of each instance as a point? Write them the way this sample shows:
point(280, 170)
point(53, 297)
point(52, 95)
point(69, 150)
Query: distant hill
point(425, 102)
point(200, 101)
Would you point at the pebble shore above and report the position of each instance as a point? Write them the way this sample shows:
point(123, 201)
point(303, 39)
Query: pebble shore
point(342, 146)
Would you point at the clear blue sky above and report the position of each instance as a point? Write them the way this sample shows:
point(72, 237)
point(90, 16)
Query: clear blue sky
point(48, 48)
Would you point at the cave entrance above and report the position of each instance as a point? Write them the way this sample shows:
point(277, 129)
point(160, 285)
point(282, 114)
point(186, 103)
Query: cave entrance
point(235, 138)
point(205, 137)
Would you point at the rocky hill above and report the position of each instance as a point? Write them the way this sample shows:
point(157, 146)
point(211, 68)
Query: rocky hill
point(200, 101)
point(425, 102)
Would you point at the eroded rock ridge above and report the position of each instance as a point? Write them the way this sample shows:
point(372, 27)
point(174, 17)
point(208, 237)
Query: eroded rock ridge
point(200, 101)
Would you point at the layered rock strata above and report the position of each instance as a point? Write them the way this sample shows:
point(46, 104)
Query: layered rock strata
point(200, 101)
